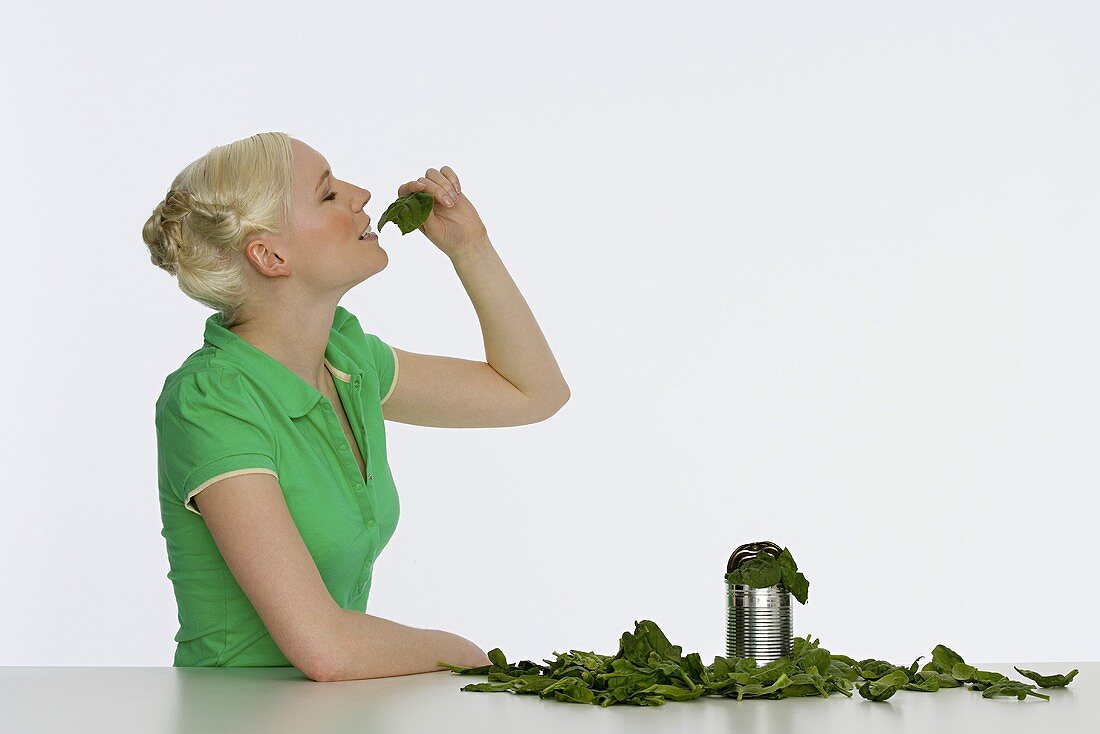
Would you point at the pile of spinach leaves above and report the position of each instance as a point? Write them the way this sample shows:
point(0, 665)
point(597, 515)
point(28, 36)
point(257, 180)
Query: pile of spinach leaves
point(648, 670)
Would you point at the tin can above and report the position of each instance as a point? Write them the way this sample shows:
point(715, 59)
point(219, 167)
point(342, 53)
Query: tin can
point(759, 622)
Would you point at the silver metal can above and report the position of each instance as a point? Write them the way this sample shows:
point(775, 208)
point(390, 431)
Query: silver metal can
point(759, 622)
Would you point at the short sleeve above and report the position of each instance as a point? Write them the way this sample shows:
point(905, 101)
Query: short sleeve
point(210, 428)
point(385, 361)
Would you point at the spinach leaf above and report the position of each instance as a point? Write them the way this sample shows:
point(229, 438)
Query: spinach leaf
point(759, 572)
point(871, 669)
point(944, 658)
point(797, 584)
point(884, 687)
point(786, 560)
point(766, 570)
point(985, 677)
point(408, 212)
point(845, 659)
point(1048, 681)
point(963, 673)
point(1012, 688)
point(927, 682)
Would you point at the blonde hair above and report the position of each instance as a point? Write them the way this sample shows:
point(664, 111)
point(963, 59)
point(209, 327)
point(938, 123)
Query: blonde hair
point(212, 208)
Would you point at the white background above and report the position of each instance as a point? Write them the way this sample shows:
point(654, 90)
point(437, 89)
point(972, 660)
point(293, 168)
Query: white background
point(817, 273)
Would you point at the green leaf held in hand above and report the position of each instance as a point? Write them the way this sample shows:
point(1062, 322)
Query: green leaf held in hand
point(408, 212)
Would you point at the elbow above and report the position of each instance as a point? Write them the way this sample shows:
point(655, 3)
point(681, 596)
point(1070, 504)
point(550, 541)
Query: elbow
point(327, 662)
point(553, 406)
point(562, 400)
point(561, 397)
point(325, 670)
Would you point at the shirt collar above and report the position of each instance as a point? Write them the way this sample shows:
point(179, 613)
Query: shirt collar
point(296, 395)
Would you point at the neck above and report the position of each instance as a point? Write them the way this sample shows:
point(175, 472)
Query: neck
point(297, 340)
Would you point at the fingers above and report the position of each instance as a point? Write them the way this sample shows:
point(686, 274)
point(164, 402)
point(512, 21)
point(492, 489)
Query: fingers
point(451, 176)
point(441, 186)
point(440, 183)
point(408, 188)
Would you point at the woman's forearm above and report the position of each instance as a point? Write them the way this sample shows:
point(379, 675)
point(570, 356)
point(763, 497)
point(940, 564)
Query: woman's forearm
point(514, 344)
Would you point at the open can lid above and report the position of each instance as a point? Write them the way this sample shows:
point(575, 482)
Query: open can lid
point(744, 552)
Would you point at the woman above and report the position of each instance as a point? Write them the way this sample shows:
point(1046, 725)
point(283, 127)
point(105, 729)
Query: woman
point(275, 494)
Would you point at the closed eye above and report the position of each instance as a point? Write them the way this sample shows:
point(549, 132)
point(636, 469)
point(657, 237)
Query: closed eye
point(330, 197)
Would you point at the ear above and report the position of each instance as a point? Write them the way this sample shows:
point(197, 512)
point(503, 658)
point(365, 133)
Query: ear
point(266, 261)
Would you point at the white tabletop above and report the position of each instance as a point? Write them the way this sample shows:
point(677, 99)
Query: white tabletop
point(211, 700)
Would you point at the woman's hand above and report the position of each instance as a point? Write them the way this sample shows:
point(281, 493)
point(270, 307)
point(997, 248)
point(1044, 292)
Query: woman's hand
point(452, 228)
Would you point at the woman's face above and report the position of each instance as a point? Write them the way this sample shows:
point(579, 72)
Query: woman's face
point(321, 247)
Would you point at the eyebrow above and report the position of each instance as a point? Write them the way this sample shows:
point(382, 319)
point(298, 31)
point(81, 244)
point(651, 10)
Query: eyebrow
point(323, 177)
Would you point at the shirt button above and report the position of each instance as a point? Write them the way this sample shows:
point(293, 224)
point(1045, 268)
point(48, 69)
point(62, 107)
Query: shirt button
point(328, 407)
point(358, 485)
point(370, 522)
point(343, 447)
point(370, 477)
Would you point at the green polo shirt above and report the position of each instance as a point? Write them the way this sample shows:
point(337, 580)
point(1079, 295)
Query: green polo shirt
point(233, 409)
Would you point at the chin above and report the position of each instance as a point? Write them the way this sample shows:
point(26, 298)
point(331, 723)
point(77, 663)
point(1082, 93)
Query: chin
point(383, 259)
